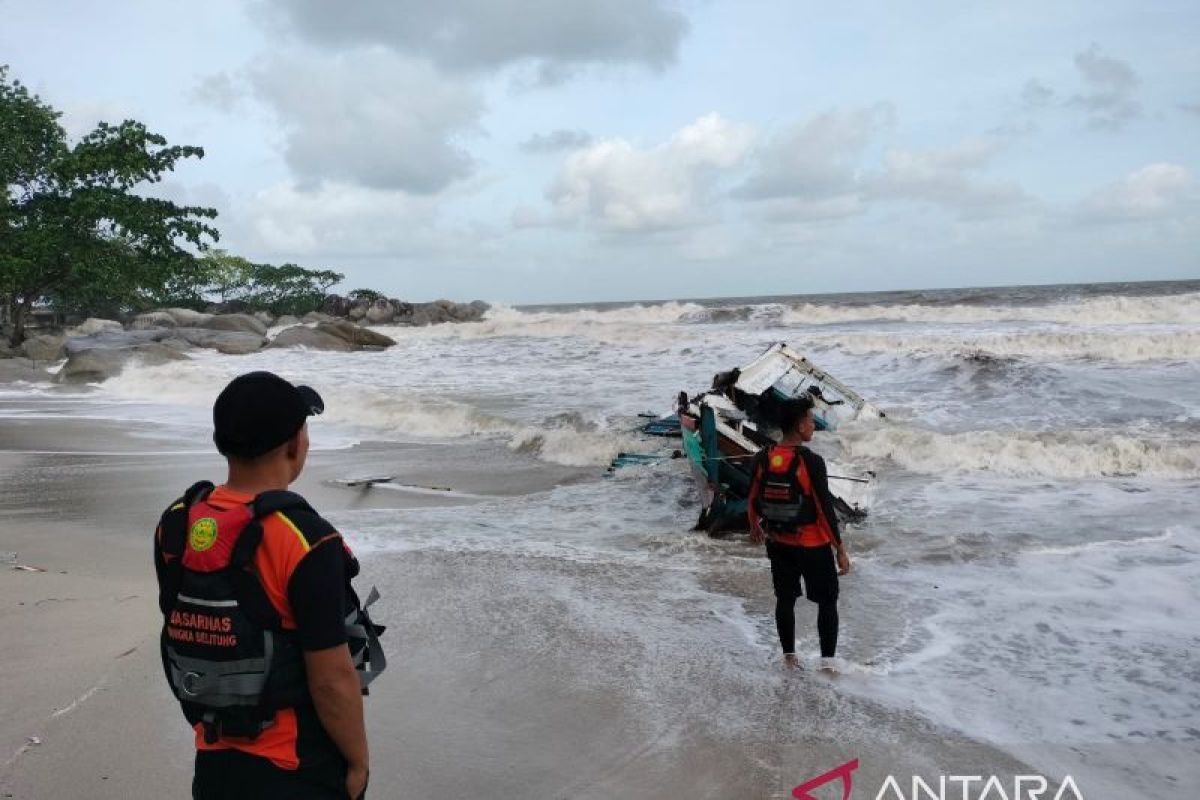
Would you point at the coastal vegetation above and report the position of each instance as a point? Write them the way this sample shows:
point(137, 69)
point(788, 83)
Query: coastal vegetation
point(81, 233)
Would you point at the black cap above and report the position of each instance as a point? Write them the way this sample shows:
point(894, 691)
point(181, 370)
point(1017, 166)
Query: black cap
point(259, 411)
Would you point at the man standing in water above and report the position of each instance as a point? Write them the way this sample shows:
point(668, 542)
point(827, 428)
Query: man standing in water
point(791, 508)
point(264, 642)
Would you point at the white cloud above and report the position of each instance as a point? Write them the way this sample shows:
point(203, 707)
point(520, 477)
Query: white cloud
point(943, 177)
point(620, 187)
point(483, 34)
point(1155, 191)
point(817, 171)
point(816, 160)
point(370, 117)
point(335, 221)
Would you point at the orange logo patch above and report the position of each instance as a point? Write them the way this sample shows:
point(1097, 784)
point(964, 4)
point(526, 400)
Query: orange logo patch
point(776, 461)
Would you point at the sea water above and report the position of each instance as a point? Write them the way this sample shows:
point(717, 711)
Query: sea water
point(1029, 574)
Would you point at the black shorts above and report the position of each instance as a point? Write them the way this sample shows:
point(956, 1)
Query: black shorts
point(233, 775)
point(816, 565)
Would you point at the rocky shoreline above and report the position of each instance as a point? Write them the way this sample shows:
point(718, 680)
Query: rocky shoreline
point(98, 349)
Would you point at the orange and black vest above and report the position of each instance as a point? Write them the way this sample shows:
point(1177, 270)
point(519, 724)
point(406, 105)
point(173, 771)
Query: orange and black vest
point(228, 655)
point(787, 506)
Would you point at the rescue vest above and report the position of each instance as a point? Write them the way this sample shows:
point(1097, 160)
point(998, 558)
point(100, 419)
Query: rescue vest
point(787, 503)
point(227, 657)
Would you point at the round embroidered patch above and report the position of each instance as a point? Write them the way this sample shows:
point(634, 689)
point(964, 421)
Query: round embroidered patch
point(203, 534)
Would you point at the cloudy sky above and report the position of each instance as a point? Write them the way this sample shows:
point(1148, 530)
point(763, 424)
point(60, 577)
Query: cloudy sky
point(577, 150)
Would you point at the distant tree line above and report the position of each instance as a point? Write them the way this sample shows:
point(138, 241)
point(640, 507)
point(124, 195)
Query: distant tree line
point(79, 233)
point(234, 283)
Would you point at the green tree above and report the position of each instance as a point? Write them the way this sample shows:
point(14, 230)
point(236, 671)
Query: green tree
point(290, 289)
point(223, 278)
point(72, 230)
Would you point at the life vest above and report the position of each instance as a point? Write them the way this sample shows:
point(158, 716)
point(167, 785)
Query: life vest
point(787, 504)
point(226, 655)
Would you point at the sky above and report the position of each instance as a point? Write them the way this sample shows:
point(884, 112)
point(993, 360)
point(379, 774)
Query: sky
point(591, 150)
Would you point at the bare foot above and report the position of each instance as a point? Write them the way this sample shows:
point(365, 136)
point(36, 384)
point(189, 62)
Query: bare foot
point(790, 660)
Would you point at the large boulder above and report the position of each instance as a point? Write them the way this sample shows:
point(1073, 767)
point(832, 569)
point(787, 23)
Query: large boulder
point(301, 336)
point(93, 325)
point(358, 312)
point(152, 319)
point(265, 317)
point(117, 340)
point(286, 321)
point(316, 316)
point(47, 347)
point(98, 364)
point(440, 311)
point(187, 318)
point(380, 312)
point(21, 369)
point(355, 335)
point(229, 307)
point(230, 342)
point(235, 322)
point(335, 305)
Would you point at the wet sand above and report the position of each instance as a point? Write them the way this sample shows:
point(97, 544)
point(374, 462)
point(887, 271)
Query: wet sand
point(503, 683)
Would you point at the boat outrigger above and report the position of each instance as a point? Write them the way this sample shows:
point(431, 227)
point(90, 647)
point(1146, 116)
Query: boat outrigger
point(724, 427)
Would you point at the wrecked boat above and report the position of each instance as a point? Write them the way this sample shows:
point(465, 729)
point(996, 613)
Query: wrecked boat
point(723, 428)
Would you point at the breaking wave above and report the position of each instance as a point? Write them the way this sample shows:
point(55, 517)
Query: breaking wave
point(504, 320)
point(1126, 346)
point(1025, 454)
point(1115, 310)
point(569, 440)
point(626, 325)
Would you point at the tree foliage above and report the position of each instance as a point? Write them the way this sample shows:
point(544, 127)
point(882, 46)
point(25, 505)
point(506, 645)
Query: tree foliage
point(369, 295)
point(74, 228)
point(232, 281)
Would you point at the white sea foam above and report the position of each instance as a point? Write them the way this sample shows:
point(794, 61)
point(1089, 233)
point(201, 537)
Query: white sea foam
point(1102, 345)
point(626, 325)
point(1181, 308)
point(1113, 310)
point(503, 320)
point(1075, 645)
point(383, 412)
point(1031, 454)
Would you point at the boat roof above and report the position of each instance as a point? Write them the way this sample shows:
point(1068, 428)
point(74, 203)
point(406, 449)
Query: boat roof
point(791, 374)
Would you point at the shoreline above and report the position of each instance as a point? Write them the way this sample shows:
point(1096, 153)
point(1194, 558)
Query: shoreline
point(515, 672)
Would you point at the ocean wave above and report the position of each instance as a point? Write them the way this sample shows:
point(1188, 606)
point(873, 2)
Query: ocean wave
point(632, 325)
point(1113, 310)
point(566, 439)
point(1124, 346)
point(1110, 310)
point(1025, 454)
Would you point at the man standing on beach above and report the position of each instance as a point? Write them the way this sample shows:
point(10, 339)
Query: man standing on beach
point(264, 641)
point(791, 507)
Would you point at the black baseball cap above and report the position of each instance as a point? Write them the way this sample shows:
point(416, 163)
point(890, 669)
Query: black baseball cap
point(259, 411)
